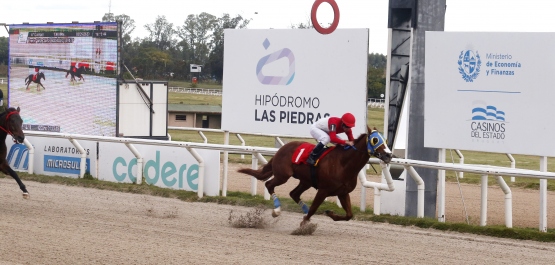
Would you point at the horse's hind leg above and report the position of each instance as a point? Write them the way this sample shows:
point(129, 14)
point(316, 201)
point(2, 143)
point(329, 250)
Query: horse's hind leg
point(277, 180)
point(6, 169)
point(296, 195)
point(346, 204)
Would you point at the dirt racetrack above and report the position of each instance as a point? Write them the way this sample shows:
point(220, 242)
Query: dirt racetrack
point(74, 225)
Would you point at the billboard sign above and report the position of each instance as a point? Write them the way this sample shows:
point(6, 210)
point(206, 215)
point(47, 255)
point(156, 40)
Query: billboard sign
point(282, 81)
point(484, 90)
point(54, 157)
point(63, 76)
point(166, 167)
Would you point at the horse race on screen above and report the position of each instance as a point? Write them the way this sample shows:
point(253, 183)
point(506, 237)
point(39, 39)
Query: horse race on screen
point(64, 76)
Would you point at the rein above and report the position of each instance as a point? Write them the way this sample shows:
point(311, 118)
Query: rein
point(7, 130)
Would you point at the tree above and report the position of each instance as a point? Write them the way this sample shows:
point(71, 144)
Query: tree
point(196, 33)
point(161, 33)
point(3, 50)
point(127, 27)
point(108, 17)
point(151, 62)
point(376, 60)
point(376, 74)
point(216, 58)
point(306, 25)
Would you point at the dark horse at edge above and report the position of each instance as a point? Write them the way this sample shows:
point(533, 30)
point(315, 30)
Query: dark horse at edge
point(32, 78)
point(76, 72)
point(336, 173)
point(10, 123)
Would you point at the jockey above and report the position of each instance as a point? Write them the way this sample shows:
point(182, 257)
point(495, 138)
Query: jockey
point(325, 131)
point(36, 74)
point(76, 67)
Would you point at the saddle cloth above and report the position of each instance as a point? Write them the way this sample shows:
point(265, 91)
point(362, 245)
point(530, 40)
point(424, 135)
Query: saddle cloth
point(302, 153)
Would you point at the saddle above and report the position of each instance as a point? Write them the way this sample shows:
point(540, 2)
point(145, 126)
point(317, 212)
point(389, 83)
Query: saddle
point(302, 153)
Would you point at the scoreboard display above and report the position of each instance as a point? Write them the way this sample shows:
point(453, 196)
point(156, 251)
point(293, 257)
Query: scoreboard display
point(64, 76)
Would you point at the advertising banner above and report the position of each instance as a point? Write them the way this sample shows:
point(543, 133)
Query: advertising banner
point(63, 76)
point(166, 167)
point(489, 92)
point(281, 81)
point(53, 157)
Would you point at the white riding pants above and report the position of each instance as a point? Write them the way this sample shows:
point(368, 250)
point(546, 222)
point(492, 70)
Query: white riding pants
point(320, 135)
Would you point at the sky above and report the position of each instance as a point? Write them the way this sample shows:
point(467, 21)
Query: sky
point(461, 15)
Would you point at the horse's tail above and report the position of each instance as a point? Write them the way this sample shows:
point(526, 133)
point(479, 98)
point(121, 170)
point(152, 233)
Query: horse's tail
point(263, 173)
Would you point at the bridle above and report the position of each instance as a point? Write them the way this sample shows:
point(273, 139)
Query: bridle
point(7, 129)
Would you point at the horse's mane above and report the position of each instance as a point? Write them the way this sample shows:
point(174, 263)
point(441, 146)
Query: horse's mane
point(364, 135)
point(361, 137)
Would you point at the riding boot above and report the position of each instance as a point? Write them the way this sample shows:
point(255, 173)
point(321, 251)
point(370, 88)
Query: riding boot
point(314, 154)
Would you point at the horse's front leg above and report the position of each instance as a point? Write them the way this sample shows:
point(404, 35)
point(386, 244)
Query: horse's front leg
point(6, 169)
point(346, 204)
point(318, 200)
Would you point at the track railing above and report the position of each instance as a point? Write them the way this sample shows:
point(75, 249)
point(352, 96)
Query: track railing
point(259, 152)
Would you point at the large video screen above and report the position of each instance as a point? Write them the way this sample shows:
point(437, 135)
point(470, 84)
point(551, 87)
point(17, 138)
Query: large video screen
point(63, 76)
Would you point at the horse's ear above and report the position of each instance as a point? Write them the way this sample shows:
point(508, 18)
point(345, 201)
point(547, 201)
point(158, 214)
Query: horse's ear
point(368, 129)
point(18, 109)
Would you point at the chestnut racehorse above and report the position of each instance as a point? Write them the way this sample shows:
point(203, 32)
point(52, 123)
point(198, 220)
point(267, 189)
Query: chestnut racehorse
point(336, 173)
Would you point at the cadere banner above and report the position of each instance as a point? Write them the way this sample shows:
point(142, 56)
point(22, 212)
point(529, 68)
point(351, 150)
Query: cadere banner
point(490, 92)
point(282, 81)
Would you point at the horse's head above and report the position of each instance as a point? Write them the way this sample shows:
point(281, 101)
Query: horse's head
point(41, 75)
point(377, 146)
point(12, 123)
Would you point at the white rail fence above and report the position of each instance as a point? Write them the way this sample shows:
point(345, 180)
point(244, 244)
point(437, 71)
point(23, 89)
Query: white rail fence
point(376, 103)
point(203, 91)
point(258, 152)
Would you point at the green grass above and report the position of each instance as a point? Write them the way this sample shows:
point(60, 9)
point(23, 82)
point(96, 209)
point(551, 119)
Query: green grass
point(194, 99)
point(287, 204)
point(188, 84)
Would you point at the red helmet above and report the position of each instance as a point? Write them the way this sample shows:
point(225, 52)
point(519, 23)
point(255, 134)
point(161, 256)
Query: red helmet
point(348, 119)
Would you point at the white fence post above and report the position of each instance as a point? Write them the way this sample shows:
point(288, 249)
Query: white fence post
point(484, 201)
point(139, 162)
point(225, 162)
point(441, 187)
point(83, 163)
point(543, 196)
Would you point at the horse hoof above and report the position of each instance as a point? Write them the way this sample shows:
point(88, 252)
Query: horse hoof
point(25, 195)
point(276, 212)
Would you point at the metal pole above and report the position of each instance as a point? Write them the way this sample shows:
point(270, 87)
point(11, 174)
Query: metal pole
point(484, 201)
